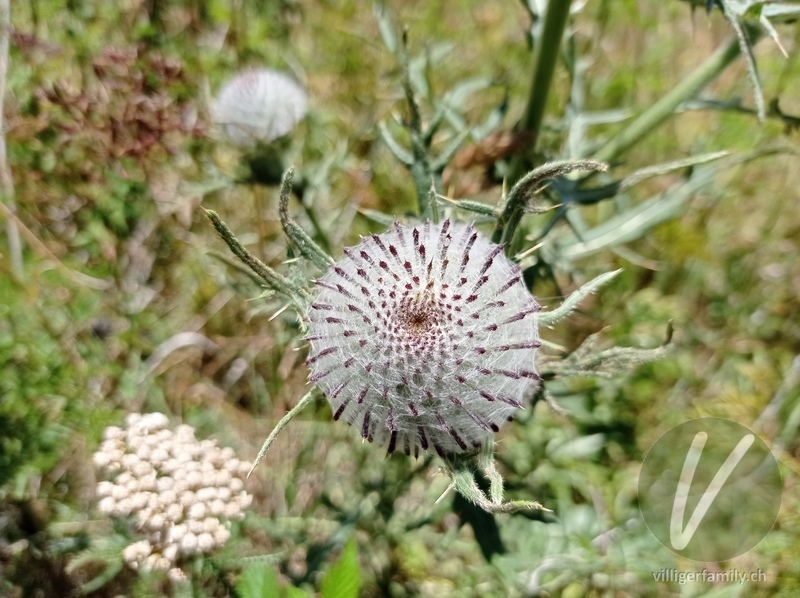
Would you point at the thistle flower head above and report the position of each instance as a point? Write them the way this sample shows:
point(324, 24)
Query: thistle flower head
point(258, 105)
point(424, 337)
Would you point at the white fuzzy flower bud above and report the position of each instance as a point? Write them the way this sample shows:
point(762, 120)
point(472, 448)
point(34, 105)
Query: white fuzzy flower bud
point(124, 478)
point(176, 533)
point(187, 499)
point(118, 492)
point(205, 542)
point(222, 535)
point(149, 563)
point(197, 511)
point(176, 575)
point(152, 441)
point(164, 484)
point(207, 494)
point(107, 505)
point(101, 459)
point(157, 521)
point(144, 451)
point(140, 500)
point(218, 508)
point(137, 551)
point(258, 106)
point(194, 526)
point(158, 455)
point(174, 512)
point(142, 468)
point(170, 552)
point(210, 524)
point(224, 493)
point(184, 456)
point(104, 488)
point(188, 544)
point(184, 433)
point(244, 500)
point(222, 478)
point(194, 479)
point(129, 461)
point(148, 483)
point(132, 487)
point(161, 564)
point(113, 433)
point(123, 508)
point(181, 485)
point(153, 422)
point(171, 466)
point(232, 511)
point(168, 497)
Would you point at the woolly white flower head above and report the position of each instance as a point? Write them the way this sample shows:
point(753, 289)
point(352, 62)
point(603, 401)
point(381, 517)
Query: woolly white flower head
point(258, 105)
point(424, 337)
point(178, 489)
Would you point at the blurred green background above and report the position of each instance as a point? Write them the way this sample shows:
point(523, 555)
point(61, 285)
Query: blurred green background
point(112, 154)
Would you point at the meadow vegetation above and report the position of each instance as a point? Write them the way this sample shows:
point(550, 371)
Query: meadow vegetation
point(123, 298)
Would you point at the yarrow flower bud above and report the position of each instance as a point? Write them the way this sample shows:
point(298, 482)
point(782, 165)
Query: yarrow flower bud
point(258, 105)
point(424, 337)
point(168, 500)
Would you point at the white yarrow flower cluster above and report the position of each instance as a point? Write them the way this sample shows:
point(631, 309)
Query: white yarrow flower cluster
point(258, 105)
point(181, 491)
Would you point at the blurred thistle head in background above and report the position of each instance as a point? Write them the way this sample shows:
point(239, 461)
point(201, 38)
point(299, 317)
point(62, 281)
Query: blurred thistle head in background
point(258, 106)
point(424, 337)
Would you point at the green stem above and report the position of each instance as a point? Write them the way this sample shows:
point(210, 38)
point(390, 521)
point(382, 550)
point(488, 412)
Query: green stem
point(544, 63)
point(305, 401)
point(685, 90)
point(517, 200)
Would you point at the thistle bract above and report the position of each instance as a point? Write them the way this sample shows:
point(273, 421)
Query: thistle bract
point(259, 105)
point(424, 337)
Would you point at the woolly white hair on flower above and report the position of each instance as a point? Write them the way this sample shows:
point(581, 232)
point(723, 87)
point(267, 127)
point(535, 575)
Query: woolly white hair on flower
point(424, 337)
point(258, 105)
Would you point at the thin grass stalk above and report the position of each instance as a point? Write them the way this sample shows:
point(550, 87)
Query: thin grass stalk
point(6, 181)
point(695, 82)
